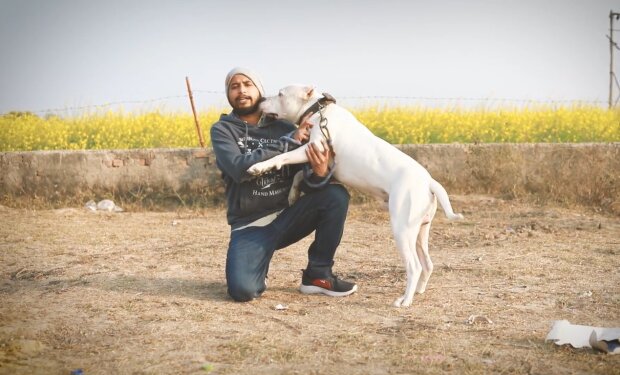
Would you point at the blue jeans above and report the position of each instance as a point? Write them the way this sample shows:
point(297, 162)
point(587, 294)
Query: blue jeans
point(250, 249)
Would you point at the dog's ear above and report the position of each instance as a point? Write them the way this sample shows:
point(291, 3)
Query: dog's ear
point(309, 91)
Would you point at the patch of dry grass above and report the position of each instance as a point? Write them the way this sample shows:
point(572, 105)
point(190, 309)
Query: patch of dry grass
point(144, 292)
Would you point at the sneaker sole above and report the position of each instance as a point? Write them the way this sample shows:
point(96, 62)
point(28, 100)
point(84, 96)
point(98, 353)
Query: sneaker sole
point(311, 289)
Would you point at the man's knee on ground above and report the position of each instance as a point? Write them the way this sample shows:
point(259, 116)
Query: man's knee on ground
point(244, 292)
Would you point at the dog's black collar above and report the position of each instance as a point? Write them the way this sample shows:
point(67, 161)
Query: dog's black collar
point(322, 102)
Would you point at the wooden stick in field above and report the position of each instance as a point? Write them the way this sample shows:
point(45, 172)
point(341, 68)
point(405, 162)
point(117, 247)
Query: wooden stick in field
point(191, 100)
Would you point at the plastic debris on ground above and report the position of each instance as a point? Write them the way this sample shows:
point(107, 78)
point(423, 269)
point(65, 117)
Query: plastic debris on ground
point(606, 340)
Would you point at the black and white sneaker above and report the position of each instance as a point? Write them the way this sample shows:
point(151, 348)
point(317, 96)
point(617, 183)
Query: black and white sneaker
point(330, 286)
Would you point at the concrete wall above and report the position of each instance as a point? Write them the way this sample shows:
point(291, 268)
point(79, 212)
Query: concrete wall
point(151, 176)
point(568, 173)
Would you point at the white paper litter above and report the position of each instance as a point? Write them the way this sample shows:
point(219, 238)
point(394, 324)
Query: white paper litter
point(563, 332)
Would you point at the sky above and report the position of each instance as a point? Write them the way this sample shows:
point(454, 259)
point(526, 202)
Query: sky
point(65, 56)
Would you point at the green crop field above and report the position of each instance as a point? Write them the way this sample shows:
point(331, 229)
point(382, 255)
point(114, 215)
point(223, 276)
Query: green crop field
point(398, 125)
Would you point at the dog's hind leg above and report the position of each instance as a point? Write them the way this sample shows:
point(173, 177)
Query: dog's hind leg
point(422, 249)
point(405, 217)
point(405, 241)
point(424, 257)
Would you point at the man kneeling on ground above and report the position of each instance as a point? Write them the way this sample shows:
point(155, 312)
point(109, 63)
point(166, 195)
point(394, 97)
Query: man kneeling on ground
point(258, 212)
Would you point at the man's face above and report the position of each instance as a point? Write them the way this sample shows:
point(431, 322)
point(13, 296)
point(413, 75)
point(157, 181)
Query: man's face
point(243, 96)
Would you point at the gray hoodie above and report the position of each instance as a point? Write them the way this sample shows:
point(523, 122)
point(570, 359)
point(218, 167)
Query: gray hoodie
point(237, 147)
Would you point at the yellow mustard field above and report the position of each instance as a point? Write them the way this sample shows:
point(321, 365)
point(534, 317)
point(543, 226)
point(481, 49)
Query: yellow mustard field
point(398, 125)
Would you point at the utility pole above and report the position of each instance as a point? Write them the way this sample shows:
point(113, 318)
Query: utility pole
point(612, 45)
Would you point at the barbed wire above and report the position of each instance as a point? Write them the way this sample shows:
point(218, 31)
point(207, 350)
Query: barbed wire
point(145, 101)
point(425, 98)
point(342, 98)
point(210, 92)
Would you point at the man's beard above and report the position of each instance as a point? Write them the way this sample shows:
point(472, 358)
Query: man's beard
point(249, 110)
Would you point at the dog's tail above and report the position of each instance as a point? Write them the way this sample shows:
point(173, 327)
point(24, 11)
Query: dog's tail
point(444, 201)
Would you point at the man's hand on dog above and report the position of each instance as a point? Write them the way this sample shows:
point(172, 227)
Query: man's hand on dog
point(303, 131)
point(319, 160)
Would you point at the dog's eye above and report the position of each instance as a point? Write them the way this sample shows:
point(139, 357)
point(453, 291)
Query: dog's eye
point(280, 93)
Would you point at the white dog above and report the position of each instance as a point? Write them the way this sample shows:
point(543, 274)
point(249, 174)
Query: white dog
point(372, 165)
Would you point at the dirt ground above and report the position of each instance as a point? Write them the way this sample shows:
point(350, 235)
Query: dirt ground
point(144, 293)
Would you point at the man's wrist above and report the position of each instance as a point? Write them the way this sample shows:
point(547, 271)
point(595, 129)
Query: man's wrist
point(321, 174)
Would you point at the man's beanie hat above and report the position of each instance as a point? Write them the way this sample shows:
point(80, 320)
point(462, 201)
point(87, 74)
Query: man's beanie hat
point(248, 73)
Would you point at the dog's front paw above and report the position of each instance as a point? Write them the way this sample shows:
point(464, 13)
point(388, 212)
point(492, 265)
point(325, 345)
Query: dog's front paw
point(258, 169)
point(254, 171)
